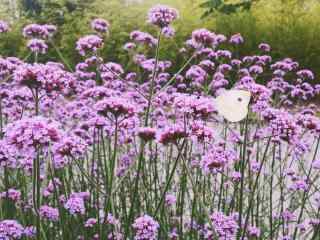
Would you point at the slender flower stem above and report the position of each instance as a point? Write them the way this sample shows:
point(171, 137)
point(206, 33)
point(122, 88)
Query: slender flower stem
point(242, 170)
point(153, 78)
point(166, 188)
point(306, 192)
point(255, 185)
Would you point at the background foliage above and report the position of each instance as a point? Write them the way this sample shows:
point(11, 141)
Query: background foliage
point(292, 27)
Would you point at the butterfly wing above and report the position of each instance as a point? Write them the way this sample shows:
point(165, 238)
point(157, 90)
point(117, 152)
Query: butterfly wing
point(233, 104)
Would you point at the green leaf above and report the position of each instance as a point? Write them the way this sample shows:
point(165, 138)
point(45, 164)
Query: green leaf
point(212, 4)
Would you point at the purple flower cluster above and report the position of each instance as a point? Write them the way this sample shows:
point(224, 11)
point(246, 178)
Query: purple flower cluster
point(146, 228)
point(12, 194)
point(236, 39)
point(75, 205)
point(50, 77)
point(49, 213)
point(89, 44)
point(68, 148)
point(143, 38)
point(224, 226)
point(203, 37)
point(217, 158)
point(4, 27)
point(11, 229)
point(172, 134)
point(162, 16)
point(116, 107)
point(147, 133)
point(38, 31)
point(100, 25)
point(37, 46)
point(28, 135)
point(284, 126)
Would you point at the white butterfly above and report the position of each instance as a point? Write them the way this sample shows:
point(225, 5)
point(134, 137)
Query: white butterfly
point(233, 104)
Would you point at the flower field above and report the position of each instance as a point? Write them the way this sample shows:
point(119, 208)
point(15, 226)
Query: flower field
point(132, 150)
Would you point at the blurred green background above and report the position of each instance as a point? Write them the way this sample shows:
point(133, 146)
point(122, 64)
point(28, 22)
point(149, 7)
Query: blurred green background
point(291, 27)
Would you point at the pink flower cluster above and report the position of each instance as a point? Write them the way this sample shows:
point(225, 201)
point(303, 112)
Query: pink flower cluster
point(162, 16)
point(89, 44)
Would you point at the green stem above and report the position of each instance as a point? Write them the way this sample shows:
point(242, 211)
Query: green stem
point(170, 178)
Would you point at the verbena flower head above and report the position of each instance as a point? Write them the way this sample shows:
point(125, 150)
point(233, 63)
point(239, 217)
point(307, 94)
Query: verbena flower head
point(30, 232)
point(129, 46)
point(111, 71)
point(100, 25)
point(75, 205)
point(147, 133)
point(35, 31)
point(90, 222)
point(7, 66)
point(27, 75)
point(4, 27)
point(172, 134)
point(264, 47)
point(31, 133)
point(201, 131)
point(116, 107)
point(48, 77)
point(49, 213)
point(51, 29)
point(305, 74)
point(168, 32)
point(12, 194)
point(68, 148)
point(162, 16)
point(203, 37)
point(217, 158)
point(37, 46)
point(170, 199)
point(146, 228)
point(196, 74)
point(224, 226)
point(6, 155)
point(283, 126)
point(125, 162)
point(11, 229)
point(198, 107)
point(236, 39)
point(89, 44)
point(143, 38)
point(254, 232)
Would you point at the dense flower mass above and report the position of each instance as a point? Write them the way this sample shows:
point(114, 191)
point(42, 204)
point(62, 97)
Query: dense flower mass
point(86, 148)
